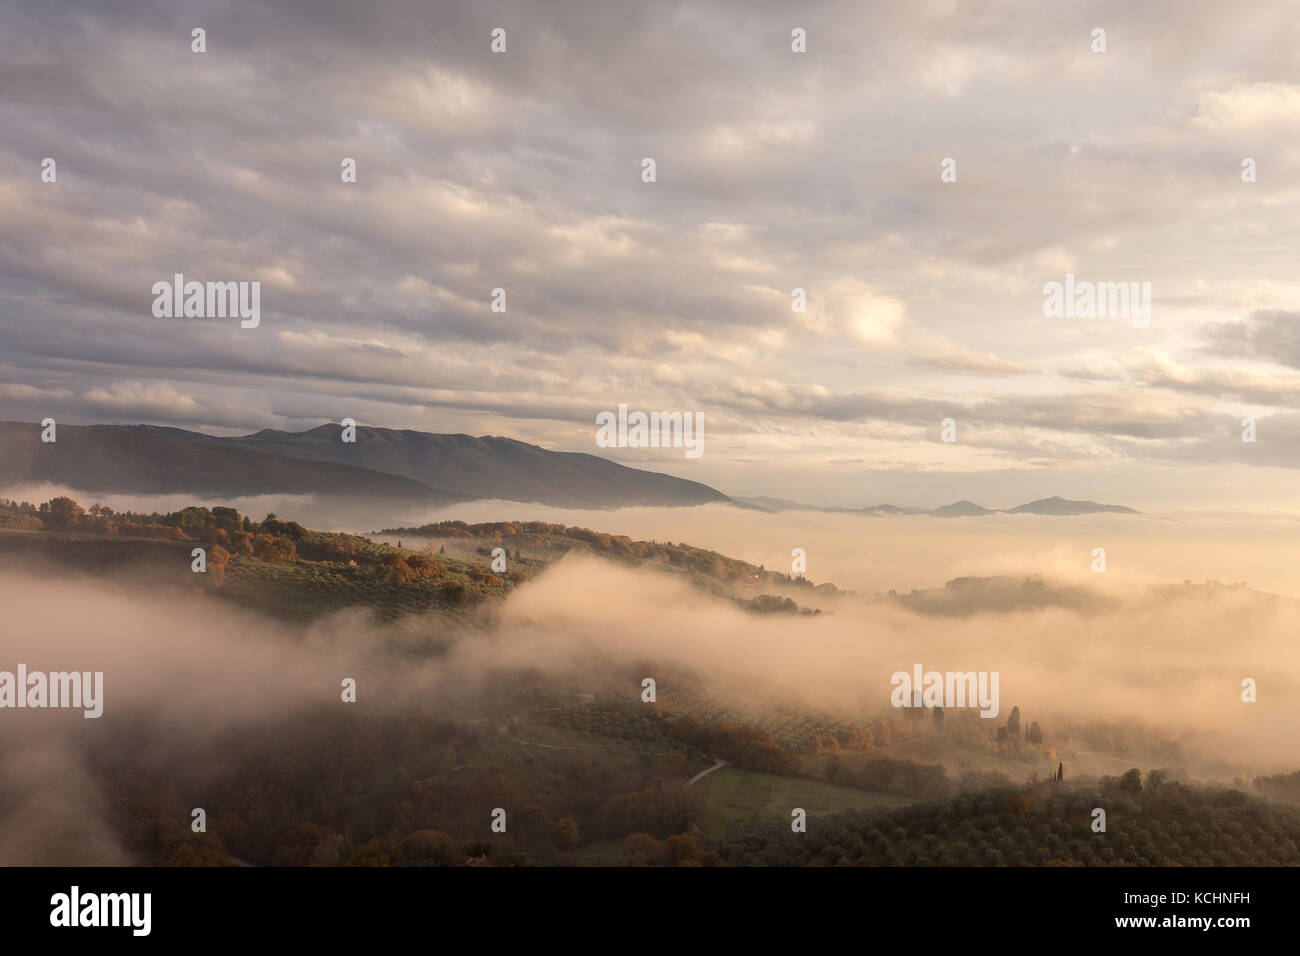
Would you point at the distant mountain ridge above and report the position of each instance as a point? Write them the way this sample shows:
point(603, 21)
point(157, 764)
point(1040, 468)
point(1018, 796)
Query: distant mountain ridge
point(1064, 506)
point(384, 463)
point(391, 466)
point(958, 509)
point(488, 467)
point(125, 459)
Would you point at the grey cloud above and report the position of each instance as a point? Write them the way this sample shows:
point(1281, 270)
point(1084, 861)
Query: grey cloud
point(1268, 335)
point(521, 171)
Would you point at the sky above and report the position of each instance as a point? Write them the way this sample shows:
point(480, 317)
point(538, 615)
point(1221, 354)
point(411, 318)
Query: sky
point(774, 171)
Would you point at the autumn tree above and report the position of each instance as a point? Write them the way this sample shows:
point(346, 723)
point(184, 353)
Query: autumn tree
point(565, 835)
point(226, 519)
point(453, 592)
point(641, 849)
point(271, 548)
point(218, 559)
point(298, 846)
point(400, 571)
point(860, 739)
point(376, 852)
point(184, 847)
point(423, 566)
point(686, 849)
point(61, 513)
point(430, 848)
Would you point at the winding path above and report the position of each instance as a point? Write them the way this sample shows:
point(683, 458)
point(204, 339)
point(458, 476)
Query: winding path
point(704, 773)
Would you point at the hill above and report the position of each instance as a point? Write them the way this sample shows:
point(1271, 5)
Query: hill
point(384, 463)
point(958, 509)
point(1064, 506)
point(600, 775)
point(285, 570)
point(141, 460)
point(488, 467)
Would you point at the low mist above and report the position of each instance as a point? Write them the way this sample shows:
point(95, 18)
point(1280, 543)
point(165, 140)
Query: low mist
point(1174, 659)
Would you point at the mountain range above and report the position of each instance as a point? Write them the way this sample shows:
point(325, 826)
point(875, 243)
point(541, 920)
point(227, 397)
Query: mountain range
point(958, 509)
point(385, 465)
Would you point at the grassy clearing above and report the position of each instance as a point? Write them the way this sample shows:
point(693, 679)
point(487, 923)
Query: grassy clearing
point(731, 796)
point(599, 853)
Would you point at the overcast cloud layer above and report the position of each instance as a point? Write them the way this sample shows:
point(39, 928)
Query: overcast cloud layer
point(775, 170)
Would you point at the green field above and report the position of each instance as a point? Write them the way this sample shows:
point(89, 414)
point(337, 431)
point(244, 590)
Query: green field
point(732, 796)
point(599, 853)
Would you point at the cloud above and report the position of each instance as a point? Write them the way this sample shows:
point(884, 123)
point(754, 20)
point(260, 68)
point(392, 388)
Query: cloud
point(1249, 109)
point(937, 352)
point(148, 401)
point(1270, 336)
point(522, 171)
